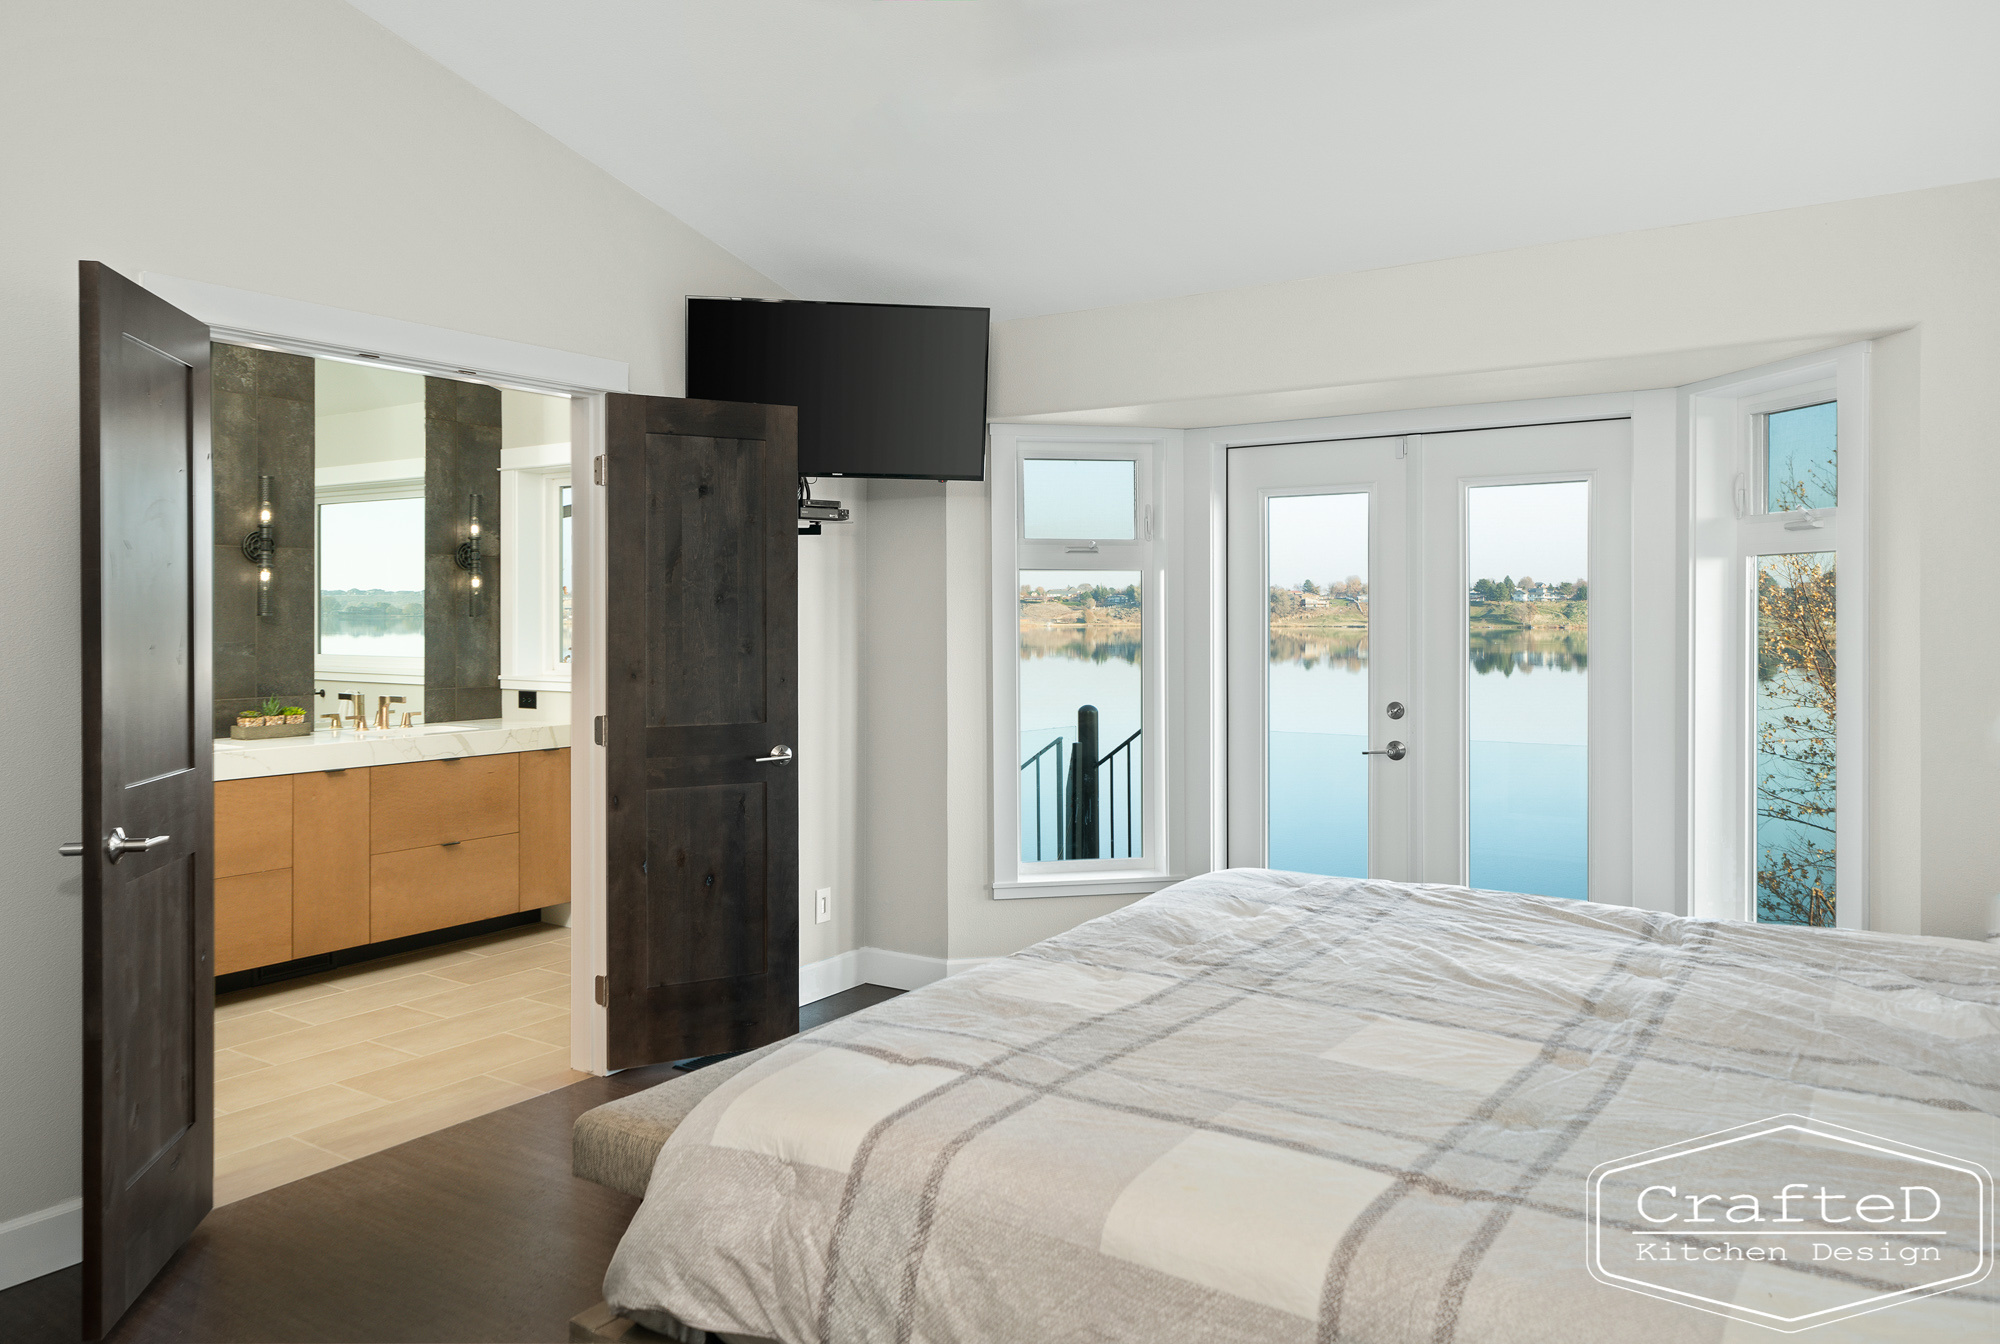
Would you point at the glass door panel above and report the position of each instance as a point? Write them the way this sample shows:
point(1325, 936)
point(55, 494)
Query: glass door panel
point(1526, 781)
point(1527, 688)
point(1319, 640)
point(1316, 723)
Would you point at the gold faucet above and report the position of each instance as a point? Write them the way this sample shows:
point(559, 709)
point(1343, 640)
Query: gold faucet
point(382, 711)
point(332, 721)
point(411, 714)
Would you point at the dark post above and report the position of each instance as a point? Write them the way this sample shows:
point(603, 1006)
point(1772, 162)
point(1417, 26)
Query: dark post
point(1083, 789)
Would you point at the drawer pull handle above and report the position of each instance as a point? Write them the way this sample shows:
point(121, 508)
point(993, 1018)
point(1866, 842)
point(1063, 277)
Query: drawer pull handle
point(448, 844)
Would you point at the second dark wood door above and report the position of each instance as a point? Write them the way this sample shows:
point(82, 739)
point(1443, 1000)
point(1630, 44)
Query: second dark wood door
point(701, 688)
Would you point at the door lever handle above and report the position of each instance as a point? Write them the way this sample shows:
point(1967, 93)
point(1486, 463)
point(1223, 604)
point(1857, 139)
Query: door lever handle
point(1395, 751)
point(780, 755)
point(120, 844)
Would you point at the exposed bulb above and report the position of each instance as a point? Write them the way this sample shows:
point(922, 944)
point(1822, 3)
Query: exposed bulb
point(263, 515)
point(263, 576)
point(475, 527)
point(475, 580)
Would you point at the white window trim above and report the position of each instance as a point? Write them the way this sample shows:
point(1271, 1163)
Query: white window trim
point(355, 666)
point(1729, 529)
point(1157, 453)
point(531, 481)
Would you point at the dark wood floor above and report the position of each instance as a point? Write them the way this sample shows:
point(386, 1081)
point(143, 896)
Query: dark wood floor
point(476, 1233)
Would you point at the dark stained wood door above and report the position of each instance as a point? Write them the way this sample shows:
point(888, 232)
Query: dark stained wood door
point(148, 777)
point(701, 682)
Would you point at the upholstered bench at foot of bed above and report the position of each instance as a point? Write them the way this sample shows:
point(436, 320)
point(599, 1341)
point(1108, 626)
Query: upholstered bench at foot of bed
point(615, 1144)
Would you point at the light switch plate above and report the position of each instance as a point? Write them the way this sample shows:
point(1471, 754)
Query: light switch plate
point(823, 905)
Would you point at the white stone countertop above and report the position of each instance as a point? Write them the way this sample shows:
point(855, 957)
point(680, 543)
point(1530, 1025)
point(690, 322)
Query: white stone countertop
point(347, 749)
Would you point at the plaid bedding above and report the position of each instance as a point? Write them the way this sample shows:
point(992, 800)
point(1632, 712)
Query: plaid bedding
point(1261, 1106)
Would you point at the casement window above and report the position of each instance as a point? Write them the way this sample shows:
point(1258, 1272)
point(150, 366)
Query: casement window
point(1079, 636)
point(1780, 618)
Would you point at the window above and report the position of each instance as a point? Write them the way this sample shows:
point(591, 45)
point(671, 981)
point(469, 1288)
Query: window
point(1779, 640)
point(1078, 677)
point(536, 529)
point(369, 567)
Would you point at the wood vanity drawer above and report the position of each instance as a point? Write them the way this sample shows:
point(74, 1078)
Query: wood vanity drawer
point(253, 920)
point(544, 828)
point(439, 885)
point(330, 865)
point(253, 825)
point(433, 802)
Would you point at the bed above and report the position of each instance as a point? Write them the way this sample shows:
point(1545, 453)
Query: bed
point(1261, 1106)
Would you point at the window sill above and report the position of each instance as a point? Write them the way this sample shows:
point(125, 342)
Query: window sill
point(1111, 884)
point(549, 682)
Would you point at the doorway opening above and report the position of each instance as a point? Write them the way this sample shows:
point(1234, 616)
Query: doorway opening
point(391, 724)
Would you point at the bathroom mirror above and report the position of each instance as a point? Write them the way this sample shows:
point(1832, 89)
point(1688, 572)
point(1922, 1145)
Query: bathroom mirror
point(369, 583)
point(363, 556)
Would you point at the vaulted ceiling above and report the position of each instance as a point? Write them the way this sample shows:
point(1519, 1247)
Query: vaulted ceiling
point(1047, 155)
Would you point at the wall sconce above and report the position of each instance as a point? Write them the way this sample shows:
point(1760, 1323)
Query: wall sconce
point(260, 547)
point(468, 554)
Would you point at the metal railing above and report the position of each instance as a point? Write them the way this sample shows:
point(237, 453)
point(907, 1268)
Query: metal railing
point(1111, 777)
point(1036, 761)
point(1082, 832)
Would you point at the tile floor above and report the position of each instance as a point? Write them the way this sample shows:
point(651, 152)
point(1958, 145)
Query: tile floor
point(318, 1071)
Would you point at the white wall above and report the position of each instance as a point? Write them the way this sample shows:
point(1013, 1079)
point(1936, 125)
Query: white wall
point(384, 434)
point(1652, 309)
point(292, 149)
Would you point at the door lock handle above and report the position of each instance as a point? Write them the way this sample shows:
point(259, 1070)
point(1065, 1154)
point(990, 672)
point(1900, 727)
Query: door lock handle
point(780, 755)
point(120, 844)
point(1395, 751)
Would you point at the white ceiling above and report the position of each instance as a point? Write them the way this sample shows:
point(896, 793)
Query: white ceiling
point(1046, 155)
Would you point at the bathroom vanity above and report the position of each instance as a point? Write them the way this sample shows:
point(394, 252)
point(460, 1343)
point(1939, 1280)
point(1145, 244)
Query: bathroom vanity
point(340, 840)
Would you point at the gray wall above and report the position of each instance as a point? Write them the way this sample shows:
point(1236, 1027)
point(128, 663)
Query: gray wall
point(902, 776)
point(263, 426)
point(461, 459)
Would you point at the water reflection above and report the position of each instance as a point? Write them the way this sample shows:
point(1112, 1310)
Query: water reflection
point(1511, 651)
point(1503, 651)
point(1343, 649)
point(1088, 644)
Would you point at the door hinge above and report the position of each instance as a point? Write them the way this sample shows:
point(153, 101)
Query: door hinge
point(603, 991)
point(597, 730)
point(597, 469)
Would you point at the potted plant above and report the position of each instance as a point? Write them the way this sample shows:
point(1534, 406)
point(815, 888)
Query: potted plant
point(273, 718)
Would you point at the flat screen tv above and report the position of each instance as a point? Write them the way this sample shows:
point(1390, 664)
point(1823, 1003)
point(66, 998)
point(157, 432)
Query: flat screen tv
point(882, 389)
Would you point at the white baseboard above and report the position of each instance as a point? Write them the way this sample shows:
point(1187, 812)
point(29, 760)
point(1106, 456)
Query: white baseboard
point(41, 1242)
point(819, 979)
point(876, 966)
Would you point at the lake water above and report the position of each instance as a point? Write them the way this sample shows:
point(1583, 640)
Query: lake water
point(1529, 778)
point(1528, 785)
point(1062, 668)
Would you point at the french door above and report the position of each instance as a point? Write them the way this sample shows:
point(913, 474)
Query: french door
point(1429, 672)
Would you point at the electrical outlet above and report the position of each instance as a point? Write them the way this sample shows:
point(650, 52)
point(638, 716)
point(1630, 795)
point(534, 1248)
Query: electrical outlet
point(823, 905)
